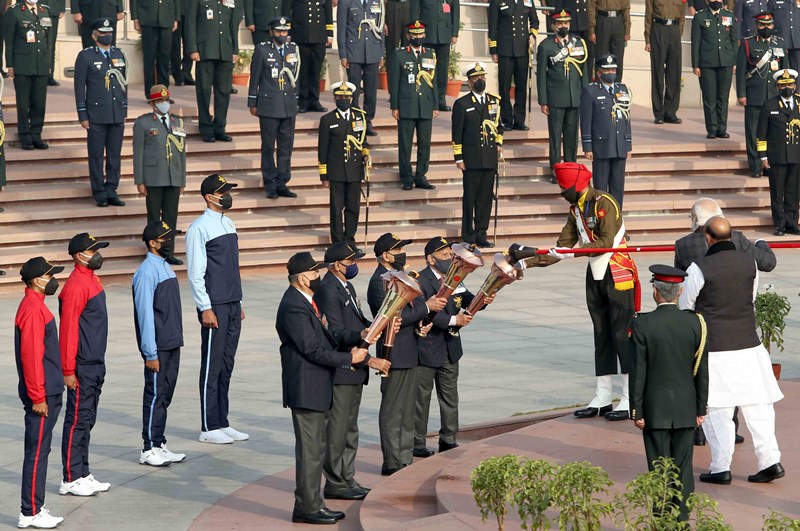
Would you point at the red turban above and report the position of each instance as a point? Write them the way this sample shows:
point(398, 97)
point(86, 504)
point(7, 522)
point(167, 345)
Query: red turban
point(569, 174)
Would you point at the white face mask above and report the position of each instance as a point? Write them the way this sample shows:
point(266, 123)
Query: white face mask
point(162, 107)
point(32, 2)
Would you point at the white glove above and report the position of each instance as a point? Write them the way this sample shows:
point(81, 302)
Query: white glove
point(560, 253)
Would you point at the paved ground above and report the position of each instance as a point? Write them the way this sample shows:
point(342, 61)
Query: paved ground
point(532, 350)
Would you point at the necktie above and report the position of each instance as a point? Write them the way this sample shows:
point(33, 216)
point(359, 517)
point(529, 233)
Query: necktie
point(481, 100)
point(282, 52)
point(164, 121)
point(353, 300)
point(105, 54)
point(316, 310)
point(611, 89)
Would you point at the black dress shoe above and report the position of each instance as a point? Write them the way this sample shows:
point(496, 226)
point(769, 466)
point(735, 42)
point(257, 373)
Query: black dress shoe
point(673, 120)
point(319, 517)
point(26, 146)
point(445, 108)
point(723, 135)
point(234, 90)
point(272, 195)
point(102, 204)
point(285, 192)
point(347, 494)
point(172, 260)
point(407, 187)
point(424, 184)
point(521, 127)
point(658, 121)
point(389, 471)
point(189, 81)
point(793, 230)
point(317, 108)
point(371, 132)
point(777, 232)
point(180, 83)
point(485, 244)
point(443, 446)
point(589, 412)
point(115, 201)
point(756, 174)
point(719, 478)
point(339, 515)
point(739, 439)
point(699, 437)
point(2, 272)
point(361, 488)
point(770, 473)
point(209, 138)
point(423, 452)
point(51, 82)
point(711, 136)
point(38, 144)
point(2, 210)
point(302, 110)
point(508, 126)
point(224, 137)
point(617, 415)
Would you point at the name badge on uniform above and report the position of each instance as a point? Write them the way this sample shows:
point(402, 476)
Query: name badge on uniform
point(445, 7)
point(153, 132)
point(777, 52)
point(46, 22)
point(727, 21)
point(470, 109)
point(600, 97)
point(427, 62)
point(30, 36)
point(332, 126)
point(774, 112)
point(503, 6)
point(274, 73)
point(375, 8)
point(98, 64)
point(229, 3)
point(411, 79)
point(773, 65)
point(358, 126)
point(119, 63)
point(291, 58)
point(209, 14)
point(492, 107)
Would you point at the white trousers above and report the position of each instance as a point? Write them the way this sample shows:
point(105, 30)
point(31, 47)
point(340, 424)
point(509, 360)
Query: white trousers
point(721, 435)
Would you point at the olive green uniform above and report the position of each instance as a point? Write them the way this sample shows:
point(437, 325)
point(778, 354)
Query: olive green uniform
point(610, 23)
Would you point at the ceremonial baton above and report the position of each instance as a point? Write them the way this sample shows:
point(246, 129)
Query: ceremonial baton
point(530, 83)
point(648, 249)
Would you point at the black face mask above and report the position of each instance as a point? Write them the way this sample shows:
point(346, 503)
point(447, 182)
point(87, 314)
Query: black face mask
point(313, 284)
point(443, 266)
point(571, 195)
point(225, 202)
point(786, 92)
point(166, 248)
point(479, 85)
point(105, 40)
point(715, 6)
point(562, 32)
point(280, 40)
point(51, 287)
point(416, 42)
point(95, 262)
point(399, 261)
point(765, 33)
point(608, 77)
point(343, 104)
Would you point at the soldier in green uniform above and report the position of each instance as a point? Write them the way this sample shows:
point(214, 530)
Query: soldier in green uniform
point(257, 16)
point(212, 39)
point(669, 380)
point(85, 12)
point(561, 74)
point(26, 30)
point(155, 20)
point(714, 44)
point(441, 19)
point(759, 57)
point(57, 8)
point(414, 99)
point(159, 161)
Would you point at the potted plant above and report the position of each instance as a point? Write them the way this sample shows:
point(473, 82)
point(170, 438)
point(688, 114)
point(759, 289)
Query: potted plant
point(323, 74)
point(241, 67)
point(454, 74)
point(771, 311)
point(383, 75)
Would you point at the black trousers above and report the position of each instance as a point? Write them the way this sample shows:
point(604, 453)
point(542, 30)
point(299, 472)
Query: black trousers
point(180, 61)
point(611, 39)
point(476, 207)
point(562, 124)
point(612, 312)
point(396, 417)
point(218, 350)
point(52, 43)
point(157, 396)
point(79, 419)
point(342, 439)
point(398, 15)
point(38, 436)
point(446, 380)
point(368, 75)
point(784, 194)
point(85, 29)
point(405, 141)
point(311, 57)
point(309, 452)
point(2, 41)
point(156, 47)
point(715, 86)
point(216, 76)
point(677, 443)
point(345, 207)
point(516, 67)
point(278, 131)
point(608, 175)
point(665, 70)
point(751, 115)
point(31, 93)
point(442, 62)
point(104, 146)
point(162, 204)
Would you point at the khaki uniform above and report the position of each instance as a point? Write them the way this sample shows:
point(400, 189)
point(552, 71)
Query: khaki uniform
point(663, 27)
point(610, 22)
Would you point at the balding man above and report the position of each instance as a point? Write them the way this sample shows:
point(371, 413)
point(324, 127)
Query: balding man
point(722, 286)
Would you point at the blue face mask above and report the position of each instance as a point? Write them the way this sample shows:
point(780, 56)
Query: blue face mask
point(351, 271)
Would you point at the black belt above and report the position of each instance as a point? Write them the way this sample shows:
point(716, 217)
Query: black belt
point(398, 1)
point(667, 21)
point(610, 14)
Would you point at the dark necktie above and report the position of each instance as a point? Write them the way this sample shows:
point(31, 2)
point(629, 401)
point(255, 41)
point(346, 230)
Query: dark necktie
point(316, 310)
point(164, 121)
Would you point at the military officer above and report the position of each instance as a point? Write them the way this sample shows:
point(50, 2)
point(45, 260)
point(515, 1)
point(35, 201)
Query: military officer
point(159, 161)
point(214, 57)
point(101, 97)
point(746, 12)
point(779, 148)
point(787, 16)
point(759, 57)
point(361, 49)
point(155, 20)
point(26, 30)
point(414, 99)
point(312, 30)
point(714, 45)
point(606, 128)
point(663, 27)
point(513, 27)
point(343, 156)
point(257, 16)
point(477, 144)
point(562, 72)
point(57, 8)
point(398, 15)
point(610, 28)
point(579, 24)
point(180, 62)
point(669, 379)
point(273, 98)
point(85, 12)
point(441, 20)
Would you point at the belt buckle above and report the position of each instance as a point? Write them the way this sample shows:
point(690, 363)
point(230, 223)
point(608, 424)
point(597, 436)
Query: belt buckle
point(612, 14)
point(669, 22)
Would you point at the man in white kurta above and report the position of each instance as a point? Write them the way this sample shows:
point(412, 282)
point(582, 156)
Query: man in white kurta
point(722, 286)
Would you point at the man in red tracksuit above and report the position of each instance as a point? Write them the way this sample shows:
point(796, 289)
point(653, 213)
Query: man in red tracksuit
point(41, 386)
point(83, 332)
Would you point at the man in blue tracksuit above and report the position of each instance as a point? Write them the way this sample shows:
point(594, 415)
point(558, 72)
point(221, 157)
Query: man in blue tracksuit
point(159, 333)
point(212, 250)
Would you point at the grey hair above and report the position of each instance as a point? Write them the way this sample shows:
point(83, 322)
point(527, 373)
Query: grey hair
point(704, 209)
point(669, 291)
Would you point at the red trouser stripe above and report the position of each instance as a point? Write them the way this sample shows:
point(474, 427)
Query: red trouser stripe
point(72, 430)
point(36, 466)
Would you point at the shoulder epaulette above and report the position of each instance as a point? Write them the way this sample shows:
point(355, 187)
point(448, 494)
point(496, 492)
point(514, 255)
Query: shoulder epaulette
point(356, 109)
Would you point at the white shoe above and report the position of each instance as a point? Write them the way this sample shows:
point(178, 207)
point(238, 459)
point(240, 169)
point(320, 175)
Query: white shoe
point(175, 458)
point(235, 435)
point(154, 457)
point(215, 437)
point(97, 485)
point(79, 487)
point(42, 520)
